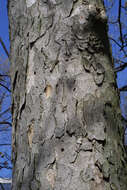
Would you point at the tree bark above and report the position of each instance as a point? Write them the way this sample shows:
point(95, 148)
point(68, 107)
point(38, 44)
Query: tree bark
point(67, 128)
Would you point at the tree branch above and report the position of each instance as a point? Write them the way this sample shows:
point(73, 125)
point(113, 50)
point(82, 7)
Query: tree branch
point(5, 111)
point(119, 21)
point(120, 68)
point(5, 87)
point(5, 123)
point(4, 47)
point(124, 88)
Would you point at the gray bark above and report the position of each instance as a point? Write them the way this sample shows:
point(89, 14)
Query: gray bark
point(67, 129)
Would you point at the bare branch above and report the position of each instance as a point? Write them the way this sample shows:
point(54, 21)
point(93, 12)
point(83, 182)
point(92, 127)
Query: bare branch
point(120, 68)
point(4, 47)
point(5, 87)
point(5, 123)
point(124, 88)
point(110, 38)
point(7, 110)
point(119, 21)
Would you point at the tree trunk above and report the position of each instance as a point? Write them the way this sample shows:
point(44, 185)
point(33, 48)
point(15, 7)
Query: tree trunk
point(67, 129)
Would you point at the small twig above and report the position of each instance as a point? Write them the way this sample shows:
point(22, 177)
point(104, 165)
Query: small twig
point(5, 111)
point(5, 123)
point(4, 47)
point(5, 87)
point(124, 88)
point(120, 68)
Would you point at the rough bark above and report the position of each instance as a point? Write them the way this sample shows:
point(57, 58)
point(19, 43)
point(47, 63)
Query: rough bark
point(67, 129)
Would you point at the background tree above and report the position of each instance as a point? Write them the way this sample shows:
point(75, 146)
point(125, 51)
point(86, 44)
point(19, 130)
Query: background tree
point(116, 11)
point(5, 118)
point(117, 19)
point(67, 129)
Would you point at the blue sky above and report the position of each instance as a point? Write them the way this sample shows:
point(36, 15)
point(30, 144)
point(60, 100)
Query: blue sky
point(4, 24)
